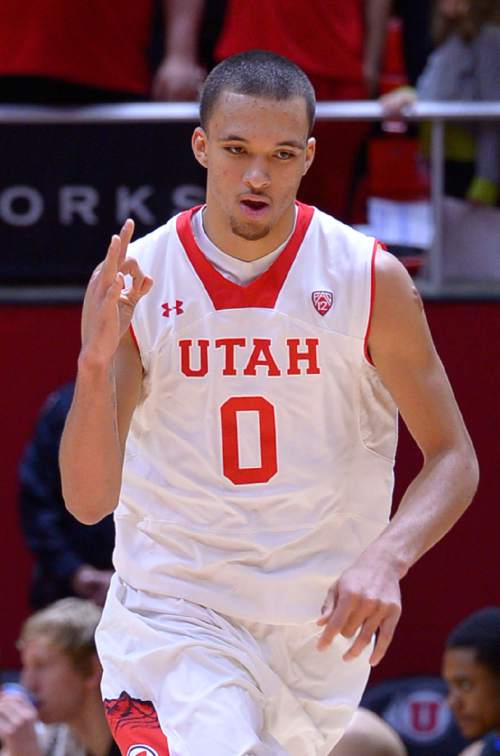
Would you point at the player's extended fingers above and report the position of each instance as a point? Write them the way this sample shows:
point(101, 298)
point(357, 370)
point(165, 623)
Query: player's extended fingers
point(141, 283)
point(114, 290)
point(107, 270)
point(385, 635)
point(338, 619)
point(147, 285)
point(328, 606)
point(132, 268)
point(364, 637)
point(126, 233)
point(364, 609)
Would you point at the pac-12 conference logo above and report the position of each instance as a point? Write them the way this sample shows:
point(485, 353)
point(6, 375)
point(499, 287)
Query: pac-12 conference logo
point(141, 750)
point(322, 301)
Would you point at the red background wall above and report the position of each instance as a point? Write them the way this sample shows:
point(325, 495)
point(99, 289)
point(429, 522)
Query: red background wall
point(39, 346)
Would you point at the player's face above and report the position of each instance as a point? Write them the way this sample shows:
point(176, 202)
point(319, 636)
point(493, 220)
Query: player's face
point(473, 692)
point(256, 151)
point(57, 686)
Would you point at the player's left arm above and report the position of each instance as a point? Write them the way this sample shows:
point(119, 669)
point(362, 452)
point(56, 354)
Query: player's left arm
point(366, 598)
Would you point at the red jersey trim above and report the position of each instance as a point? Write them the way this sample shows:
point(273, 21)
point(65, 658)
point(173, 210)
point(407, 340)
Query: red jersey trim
point(373, 286)
point(264, 291)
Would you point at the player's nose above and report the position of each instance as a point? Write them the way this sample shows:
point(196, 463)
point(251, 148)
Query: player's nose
point(257, 176)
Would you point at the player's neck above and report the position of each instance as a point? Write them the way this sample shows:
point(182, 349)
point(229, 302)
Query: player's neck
point(218, 229)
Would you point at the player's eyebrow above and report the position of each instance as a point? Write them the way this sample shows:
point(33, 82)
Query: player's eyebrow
point(232, 138)
point(292, 143)
point(287, 143)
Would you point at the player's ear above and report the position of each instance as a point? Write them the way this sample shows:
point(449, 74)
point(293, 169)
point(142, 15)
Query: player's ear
point(310, 152)
point(199, 144)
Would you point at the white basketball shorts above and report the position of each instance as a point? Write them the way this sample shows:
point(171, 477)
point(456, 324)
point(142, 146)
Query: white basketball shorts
point(182, 680)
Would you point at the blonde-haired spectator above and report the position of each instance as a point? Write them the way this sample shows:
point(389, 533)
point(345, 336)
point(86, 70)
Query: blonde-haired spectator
point(61, 712)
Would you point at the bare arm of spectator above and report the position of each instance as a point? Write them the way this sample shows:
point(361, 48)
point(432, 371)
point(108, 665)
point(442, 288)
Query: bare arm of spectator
point(92, 583)
point(376, 18)
point(179, 75)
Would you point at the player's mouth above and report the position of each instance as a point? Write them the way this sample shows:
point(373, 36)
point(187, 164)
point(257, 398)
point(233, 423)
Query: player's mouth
point(254, 207)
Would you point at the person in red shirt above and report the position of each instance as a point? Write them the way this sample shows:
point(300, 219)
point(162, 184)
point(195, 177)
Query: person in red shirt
point(339, 45)
point(59, 52)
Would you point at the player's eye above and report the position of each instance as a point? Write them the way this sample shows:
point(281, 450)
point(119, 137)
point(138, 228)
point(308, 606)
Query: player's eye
point(234, 149)
point(284, 155)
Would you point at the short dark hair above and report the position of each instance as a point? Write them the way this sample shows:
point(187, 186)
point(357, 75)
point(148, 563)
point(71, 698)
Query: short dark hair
point(480, 631)
point(259, 73)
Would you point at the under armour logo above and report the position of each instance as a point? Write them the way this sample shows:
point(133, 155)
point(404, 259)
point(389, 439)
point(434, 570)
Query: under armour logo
point(177, 308)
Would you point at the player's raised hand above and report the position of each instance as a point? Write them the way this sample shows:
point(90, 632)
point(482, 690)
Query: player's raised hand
point(365, 601)
point(109, 303)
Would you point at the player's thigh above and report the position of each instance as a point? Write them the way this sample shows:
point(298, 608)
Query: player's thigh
point(328, 688)
point(227, 722)
point(178, 684)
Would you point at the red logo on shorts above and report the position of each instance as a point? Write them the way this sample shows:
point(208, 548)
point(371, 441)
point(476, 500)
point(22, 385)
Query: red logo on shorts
point(322, 301)
point(134, 723)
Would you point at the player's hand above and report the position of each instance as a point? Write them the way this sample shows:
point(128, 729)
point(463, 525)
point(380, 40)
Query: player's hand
point(364, 601)
point(109, 303)
point(91, 583)
point(17, 725)
point(177, 79)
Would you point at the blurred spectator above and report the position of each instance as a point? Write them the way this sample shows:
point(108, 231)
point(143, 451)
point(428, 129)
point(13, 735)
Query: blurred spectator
point(61, 712)
point(339, 45)
point(416, 27)
point(87, 51)
point(471, 668)
point(416, 708)
point(179, 75)
point(70, 558)
point(369, 735)
point(464, 66)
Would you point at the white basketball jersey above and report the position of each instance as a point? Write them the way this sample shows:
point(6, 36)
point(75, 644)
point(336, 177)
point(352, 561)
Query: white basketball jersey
point(259, 462)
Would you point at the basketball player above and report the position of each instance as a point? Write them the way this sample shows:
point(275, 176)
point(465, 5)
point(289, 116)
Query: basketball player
point(240, 416)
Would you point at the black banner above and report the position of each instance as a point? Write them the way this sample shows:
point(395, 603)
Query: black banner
point(64, 189)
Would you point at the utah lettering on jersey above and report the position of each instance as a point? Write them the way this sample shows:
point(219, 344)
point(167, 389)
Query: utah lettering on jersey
point(199, 356)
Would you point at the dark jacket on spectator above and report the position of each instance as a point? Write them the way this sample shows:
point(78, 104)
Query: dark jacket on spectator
point(58, 542)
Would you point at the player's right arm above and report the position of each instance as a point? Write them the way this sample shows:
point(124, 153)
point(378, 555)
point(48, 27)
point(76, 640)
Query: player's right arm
point(107, 387)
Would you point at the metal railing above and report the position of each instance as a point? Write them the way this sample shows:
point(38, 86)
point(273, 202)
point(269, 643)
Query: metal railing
point(437, 113)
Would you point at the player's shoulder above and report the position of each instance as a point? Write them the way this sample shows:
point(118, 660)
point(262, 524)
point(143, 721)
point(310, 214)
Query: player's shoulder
point(341, 243)
point(392, 280)
point(336, 229)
